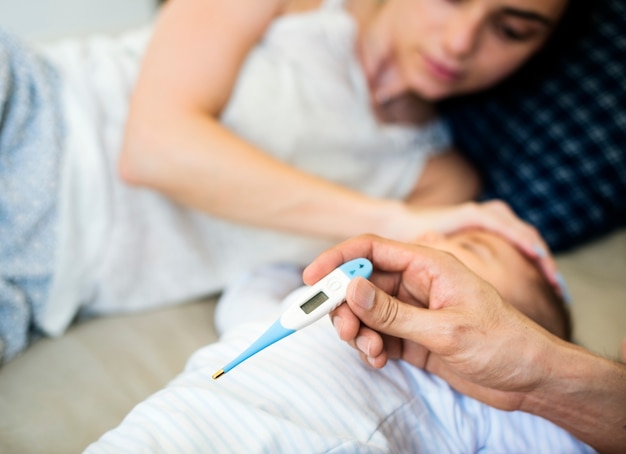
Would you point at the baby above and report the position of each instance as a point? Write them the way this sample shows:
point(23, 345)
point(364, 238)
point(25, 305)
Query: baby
point(517, 279)
point(310, 393)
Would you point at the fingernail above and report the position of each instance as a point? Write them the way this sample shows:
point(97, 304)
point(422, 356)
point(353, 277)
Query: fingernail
point(363, 344)
point(337, 323)
point(565, 294)
point(540, 251)
point(364, 295)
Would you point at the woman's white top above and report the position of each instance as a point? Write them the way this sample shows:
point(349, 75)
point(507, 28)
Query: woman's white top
point(301, 96)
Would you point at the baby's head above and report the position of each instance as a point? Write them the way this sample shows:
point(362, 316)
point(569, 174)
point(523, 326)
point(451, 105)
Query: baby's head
point(518, 280)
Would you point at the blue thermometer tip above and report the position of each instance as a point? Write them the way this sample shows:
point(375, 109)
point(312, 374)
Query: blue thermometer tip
point(275, 333)
point(354, 268)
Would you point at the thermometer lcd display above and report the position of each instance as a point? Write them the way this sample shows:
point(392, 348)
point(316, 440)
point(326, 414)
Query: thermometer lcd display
point(314, 302)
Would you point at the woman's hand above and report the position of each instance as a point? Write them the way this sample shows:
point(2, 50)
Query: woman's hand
point(495, 216)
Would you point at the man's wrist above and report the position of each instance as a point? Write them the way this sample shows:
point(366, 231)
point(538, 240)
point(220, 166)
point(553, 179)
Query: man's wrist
point(560, 369)
point(583, 393)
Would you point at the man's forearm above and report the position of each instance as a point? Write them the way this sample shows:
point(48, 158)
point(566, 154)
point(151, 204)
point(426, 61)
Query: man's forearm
point(584, 394)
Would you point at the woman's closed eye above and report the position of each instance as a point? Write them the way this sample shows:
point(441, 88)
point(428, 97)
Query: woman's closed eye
point(520, 26)
point(516, 30)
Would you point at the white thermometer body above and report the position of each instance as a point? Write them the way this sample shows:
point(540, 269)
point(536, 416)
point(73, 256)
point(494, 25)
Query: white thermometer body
point(320, 299)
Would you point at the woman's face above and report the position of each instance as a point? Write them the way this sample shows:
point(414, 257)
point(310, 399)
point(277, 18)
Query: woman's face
point(441, 48)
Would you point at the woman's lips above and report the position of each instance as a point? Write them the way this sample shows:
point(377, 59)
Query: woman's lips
point(441, 70)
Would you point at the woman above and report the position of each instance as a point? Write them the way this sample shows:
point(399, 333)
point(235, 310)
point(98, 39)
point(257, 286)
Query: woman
point(256, 133)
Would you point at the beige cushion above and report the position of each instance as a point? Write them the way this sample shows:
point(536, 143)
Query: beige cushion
point(596, 276)
point(64, 393)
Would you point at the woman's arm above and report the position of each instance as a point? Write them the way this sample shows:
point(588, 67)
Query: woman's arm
point(175, 145)
point(447, 179)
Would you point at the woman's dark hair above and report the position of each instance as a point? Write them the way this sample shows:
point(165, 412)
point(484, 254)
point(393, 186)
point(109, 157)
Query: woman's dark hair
point(577, 19)
point(575, 22)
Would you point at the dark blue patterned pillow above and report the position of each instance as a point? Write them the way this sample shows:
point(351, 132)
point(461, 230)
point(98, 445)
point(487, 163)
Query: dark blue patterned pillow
point(555, 148)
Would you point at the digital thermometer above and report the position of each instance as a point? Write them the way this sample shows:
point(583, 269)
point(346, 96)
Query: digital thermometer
point(320, 299)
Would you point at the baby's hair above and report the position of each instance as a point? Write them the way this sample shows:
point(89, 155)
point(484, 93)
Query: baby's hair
point(547, 308)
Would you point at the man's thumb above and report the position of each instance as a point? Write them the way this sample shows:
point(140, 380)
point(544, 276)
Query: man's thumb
point(384, 313)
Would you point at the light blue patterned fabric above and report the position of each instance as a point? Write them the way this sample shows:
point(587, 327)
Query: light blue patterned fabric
point(31, 130)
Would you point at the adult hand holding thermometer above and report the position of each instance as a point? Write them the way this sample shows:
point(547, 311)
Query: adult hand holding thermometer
point(320, 299)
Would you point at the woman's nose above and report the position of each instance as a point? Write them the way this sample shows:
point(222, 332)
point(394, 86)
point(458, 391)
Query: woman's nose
point(461, 34)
